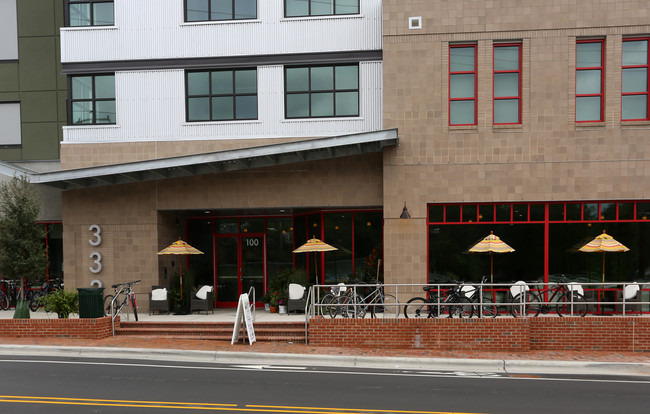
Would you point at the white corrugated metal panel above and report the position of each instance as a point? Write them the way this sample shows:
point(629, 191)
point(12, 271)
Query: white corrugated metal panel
point(151, 106)
point(154, 29)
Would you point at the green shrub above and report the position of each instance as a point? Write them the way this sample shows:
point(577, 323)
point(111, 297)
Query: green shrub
point(61, 302)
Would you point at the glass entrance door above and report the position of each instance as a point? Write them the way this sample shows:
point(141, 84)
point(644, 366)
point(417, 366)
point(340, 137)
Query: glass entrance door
point(252, 264)
point(239, 265)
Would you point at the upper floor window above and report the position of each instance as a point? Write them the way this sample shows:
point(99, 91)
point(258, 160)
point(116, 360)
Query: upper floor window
point(322, 91)
point(221, 95)
point(462, 85)
point(590, 68)
point(10, 121)
point(89, 13)
point(207, 10)
point(507, 84)
point(92, 99)
point(298, 8)
point(8, 30)
point(635, 79)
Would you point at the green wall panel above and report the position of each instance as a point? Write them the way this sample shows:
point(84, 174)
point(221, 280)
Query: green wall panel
point(40, 141)
point(8, 76)
point(39, 106)
point(62, 97)
point(9, 96)
point(36, 18)
point(10, 154)
point(37, 63)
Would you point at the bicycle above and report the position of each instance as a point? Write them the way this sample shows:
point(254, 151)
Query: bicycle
point(323, 307)
point(123, 293)
point(46, 288)
point(569, 300)
point(476, 295)
point(351, 304)
point(4, 301)
point(451, 301)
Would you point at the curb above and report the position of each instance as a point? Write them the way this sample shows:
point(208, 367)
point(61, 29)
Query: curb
point(497, 366)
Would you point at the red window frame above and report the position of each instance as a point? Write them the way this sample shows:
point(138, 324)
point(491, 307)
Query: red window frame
point(473, 99)
point(647, 91)
point(496, 72)
point(602, 78)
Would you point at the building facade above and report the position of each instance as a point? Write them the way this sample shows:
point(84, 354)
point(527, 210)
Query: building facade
point(266, 116)
point(32, 104)
point(528, 119)
point(249, 126)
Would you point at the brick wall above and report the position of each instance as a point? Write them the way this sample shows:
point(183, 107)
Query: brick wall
point(500, 334)
point(86, 328)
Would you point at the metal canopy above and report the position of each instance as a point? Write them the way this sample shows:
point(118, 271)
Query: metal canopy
point(216, 162)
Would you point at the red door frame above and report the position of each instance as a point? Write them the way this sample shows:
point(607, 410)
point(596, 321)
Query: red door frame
point(239, 237)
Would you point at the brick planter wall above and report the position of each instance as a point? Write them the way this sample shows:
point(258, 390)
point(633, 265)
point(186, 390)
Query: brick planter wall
point(86, 328)
point(500, 334)
point(604, 333)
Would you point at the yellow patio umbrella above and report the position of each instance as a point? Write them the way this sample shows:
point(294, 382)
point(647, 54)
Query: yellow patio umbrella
point(181, 248)
point(604, 243)
point(491, 244)
point(315, 245)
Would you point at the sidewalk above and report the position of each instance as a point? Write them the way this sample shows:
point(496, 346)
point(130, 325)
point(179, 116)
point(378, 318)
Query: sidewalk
point(172, 349)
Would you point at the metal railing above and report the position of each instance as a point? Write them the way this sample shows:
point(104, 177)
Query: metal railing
point(597, 298)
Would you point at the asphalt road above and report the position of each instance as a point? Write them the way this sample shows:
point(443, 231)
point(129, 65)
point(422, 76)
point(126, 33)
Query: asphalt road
point(74, 385)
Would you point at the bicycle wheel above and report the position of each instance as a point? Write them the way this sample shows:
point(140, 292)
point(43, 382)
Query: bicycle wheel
point(489, 310)
point(35, 302)
point(134, 306)
point(388, 308)
point(4, 301)
point(417, 308)
point(324, 306)
point(336, 306)
point(107, 305)
point(460, 306)
point(528, 305)
point(355, 307)
point(575, 307)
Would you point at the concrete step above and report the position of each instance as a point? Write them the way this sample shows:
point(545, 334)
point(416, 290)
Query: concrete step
point(221, 331)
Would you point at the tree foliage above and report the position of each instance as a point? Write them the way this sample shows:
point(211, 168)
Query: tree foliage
point(22, 252)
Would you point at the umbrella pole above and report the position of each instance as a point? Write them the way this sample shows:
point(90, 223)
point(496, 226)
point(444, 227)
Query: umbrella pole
point(491, 269)
point(180, 266)
point(603, 269)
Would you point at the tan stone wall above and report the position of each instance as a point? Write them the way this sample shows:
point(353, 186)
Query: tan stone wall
point(92, 155)
point(547, 157)
point(471, 17)
point(136, 222)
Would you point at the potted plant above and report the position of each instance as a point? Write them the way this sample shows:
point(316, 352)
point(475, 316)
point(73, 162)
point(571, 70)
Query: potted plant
point(282, 304)
point(266, 299)
point(274, 301)
point(61, 302)
point(175, 301)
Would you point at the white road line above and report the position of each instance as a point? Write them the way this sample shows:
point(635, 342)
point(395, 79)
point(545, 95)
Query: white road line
point(457, 375)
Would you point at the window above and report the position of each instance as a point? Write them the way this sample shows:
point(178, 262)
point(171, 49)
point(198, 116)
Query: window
point(89, 13)
point(462, 85)
point(206, 10)
point(92, 99)
point(507, 84)
point(298, 8)
point(635, 79)
point(8, 30)
point(322, 91)
point(589, 80)
point(221, 95)
point(10, 121)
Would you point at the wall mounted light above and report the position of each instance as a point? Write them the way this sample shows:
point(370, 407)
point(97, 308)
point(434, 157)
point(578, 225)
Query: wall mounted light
point(405, 213)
